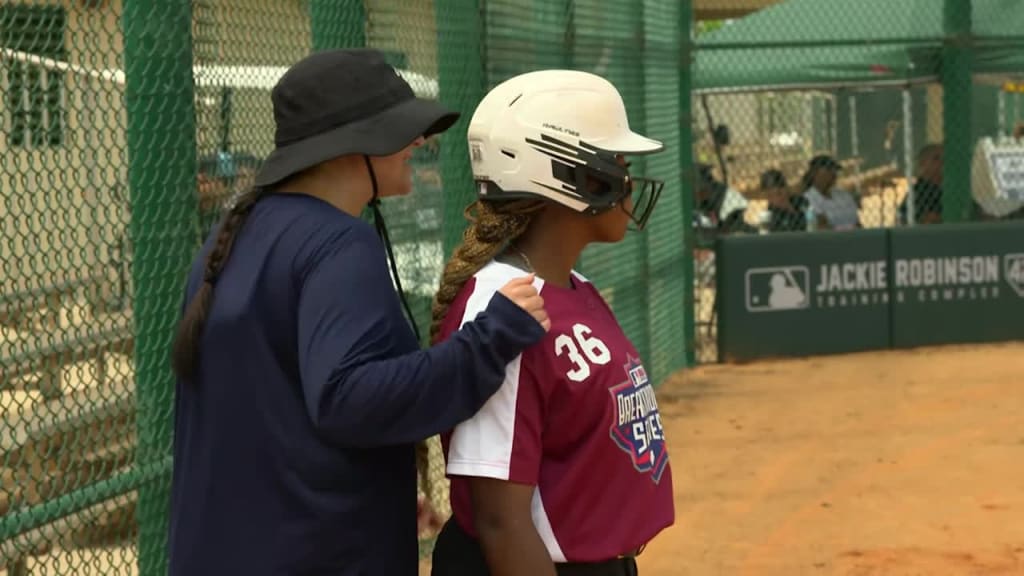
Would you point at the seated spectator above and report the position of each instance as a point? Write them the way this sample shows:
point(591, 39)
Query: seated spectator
point(718, 204)
point(927, 188)
point(786, 211)
point(928, 191)
point(834, 209)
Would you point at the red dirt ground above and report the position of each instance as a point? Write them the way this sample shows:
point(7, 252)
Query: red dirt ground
point(894, 463)
point(889, 463)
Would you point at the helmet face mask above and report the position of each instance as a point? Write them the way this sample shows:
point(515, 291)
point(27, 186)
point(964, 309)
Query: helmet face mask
point(645, 192)
point(558, 135)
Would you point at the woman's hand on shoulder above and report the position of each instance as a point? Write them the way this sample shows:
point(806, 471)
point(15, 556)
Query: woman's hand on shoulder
point(523, 294)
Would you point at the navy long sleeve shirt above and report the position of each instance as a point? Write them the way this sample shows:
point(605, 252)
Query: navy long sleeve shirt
point(293, 444)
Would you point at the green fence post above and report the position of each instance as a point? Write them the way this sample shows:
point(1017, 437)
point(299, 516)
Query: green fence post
point(337, 24)
point(957, 90)
point(635, 97)
point(161, 139)
point(460, 64)
point(686, 171)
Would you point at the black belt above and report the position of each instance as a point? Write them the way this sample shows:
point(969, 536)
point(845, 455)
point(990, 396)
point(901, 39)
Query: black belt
point(622, 566)
point(456, 553)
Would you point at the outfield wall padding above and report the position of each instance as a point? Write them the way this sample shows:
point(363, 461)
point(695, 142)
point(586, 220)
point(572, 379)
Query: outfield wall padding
point(799, 294)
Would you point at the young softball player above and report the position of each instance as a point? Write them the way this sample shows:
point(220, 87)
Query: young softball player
point(565, 469)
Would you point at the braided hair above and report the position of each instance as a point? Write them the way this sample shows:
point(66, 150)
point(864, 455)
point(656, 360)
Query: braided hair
point(185, 353)
point(493, 226)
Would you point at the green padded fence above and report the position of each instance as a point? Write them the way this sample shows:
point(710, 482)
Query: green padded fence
point(870, 290)
point(129, 126)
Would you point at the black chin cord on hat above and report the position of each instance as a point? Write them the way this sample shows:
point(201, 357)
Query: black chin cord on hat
point(382, 231)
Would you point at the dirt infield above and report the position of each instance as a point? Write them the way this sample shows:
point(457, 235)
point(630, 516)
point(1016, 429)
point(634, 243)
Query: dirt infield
point(890, 463)
point(893, 463)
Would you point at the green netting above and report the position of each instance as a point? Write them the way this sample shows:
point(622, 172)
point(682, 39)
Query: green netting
point(872, 83)
point(129, 126)
point(636, 46)
point(665, 289)
point(803, 42)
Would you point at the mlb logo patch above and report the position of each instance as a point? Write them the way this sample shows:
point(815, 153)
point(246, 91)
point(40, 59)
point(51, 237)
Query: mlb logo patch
point(638, 376)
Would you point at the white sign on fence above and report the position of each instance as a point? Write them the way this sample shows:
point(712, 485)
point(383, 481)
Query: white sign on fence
point(1008, 169)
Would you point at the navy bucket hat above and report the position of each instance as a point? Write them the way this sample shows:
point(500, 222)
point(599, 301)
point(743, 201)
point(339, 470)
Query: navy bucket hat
point(339, 102)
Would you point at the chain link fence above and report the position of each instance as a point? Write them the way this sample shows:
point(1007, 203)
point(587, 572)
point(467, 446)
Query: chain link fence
point(826, 114)
point(67, 375)
point(129, 126)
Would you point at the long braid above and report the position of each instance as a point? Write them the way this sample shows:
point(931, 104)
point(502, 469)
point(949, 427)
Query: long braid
point(493, 225)
point(186, 342)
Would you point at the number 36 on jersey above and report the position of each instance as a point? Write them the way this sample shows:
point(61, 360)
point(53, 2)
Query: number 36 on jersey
point(583, 350)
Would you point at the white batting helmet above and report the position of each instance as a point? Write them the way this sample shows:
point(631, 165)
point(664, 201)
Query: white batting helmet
point(555, 134)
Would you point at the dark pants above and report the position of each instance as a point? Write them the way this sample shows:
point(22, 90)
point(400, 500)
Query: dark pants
point(456, 553)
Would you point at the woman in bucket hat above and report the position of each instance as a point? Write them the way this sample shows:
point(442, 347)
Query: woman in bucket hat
point(300, 389)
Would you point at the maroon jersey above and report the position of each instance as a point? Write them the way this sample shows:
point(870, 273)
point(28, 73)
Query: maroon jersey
point(576, 418)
